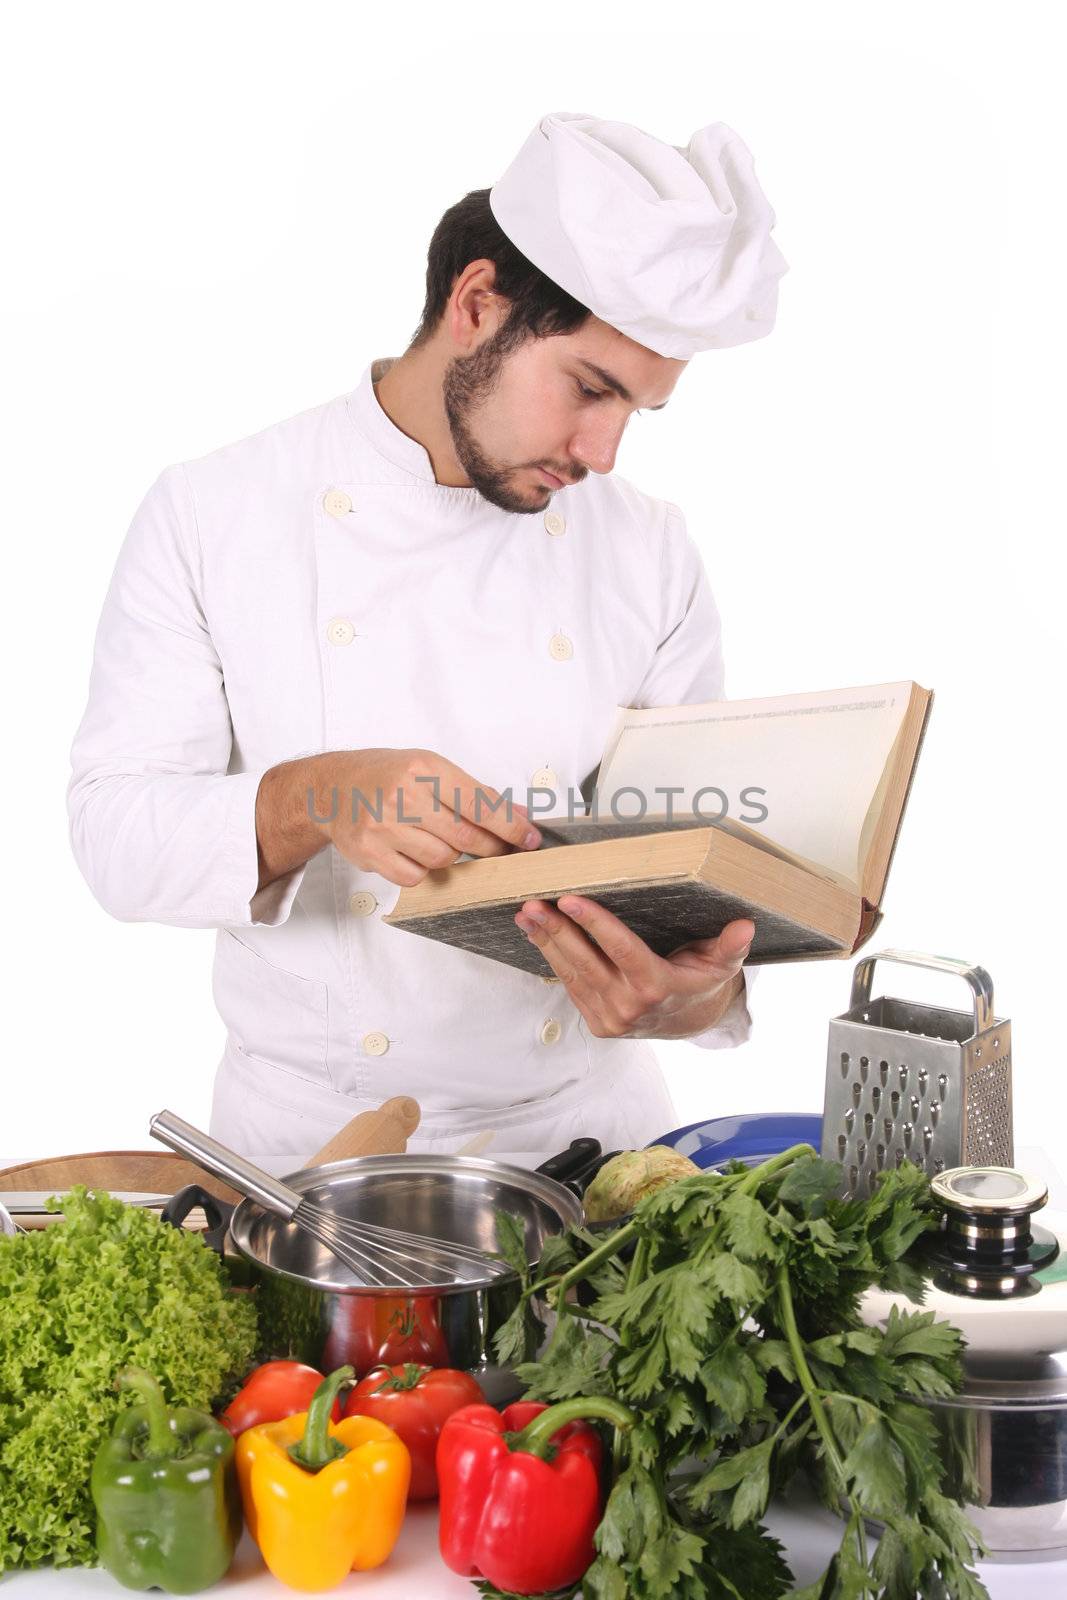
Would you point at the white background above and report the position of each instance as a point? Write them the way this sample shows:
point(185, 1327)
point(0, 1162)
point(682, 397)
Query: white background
point(216, 215)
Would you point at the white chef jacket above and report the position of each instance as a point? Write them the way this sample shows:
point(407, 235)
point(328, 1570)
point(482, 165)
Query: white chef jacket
point(311, 588)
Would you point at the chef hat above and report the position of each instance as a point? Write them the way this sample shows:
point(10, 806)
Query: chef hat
point(672, 247)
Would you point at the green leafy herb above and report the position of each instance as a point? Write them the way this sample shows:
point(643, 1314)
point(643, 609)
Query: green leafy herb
point(512, 1238)
point(519, 1336)
point(726, 1314)
point(109, 1287)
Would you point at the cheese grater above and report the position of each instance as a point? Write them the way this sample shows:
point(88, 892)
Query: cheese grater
point(907, 1081)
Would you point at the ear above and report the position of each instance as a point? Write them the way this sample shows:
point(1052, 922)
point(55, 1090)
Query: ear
point(475, 309)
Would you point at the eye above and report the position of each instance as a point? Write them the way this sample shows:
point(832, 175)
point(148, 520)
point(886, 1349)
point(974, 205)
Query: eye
point(596, 394)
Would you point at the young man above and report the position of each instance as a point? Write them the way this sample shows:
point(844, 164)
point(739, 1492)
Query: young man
point(434, 577)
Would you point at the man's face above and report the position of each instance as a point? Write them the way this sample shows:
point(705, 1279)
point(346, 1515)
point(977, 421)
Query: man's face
point(546, 408)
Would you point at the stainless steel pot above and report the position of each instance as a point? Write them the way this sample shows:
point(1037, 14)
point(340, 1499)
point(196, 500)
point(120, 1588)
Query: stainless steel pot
point(1002, 1281)
point(309, 1308)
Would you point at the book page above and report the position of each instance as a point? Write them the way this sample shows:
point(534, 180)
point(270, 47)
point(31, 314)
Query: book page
point(813, 762)
point(557, 831)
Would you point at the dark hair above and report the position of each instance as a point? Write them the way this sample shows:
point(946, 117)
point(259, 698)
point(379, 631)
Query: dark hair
point(468, 232)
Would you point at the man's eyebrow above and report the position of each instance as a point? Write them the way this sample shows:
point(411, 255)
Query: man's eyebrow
point(611, 382)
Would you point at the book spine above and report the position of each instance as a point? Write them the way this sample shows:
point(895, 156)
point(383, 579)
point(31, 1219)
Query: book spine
point(870, 917)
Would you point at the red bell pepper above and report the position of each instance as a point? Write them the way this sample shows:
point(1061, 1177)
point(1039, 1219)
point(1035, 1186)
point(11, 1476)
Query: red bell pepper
point(521, 1493)
point(415, 1402)
point(275, 1390)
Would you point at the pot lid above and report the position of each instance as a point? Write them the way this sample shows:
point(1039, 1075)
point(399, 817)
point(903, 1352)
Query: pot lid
point(1001, 1279)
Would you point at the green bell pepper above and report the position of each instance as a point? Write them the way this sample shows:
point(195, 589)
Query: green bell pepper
point(166, 1496)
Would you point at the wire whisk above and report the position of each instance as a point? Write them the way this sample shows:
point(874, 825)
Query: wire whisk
point(378, 1257)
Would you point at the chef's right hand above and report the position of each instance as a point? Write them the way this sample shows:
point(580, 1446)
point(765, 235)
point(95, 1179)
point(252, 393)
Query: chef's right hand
point(400, 785)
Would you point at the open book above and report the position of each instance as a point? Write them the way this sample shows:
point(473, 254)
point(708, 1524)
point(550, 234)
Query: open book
point(784, 810)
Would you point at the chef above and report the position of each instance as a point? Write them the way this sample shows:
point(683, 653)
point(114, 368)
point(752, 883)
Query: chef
point(372, 638)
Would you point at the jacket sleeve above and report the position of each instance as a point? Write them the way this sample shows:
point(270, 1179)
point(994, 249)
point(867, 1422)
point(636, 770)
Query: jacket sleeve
point(161, 830)
point(688, 668)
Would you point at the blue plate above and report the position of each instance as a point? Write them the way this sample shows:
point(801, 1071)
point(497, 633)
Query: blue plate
point(752, 1137)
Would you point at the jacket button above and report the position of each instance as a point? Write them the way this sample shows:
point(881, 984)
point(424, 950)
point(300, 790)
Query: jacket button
point(375, 1044)
point(560, 647)
point(544, 778)
point(551, 1031)
point(554, 523)
point(362, 903)
point(337, 503)
point(340, 631)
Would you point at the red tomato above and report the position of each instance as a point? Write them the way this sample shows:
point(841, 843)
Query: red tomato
point(275, 1390)
point(415, 1402)
point(374, 1330)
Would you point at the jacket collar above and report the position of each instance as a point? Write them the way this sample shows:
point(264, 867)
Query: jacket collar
point(367, 414)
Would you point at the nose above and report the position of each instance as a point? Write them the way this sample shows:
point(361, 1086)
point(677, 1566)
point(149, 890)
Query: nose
point(597, 445)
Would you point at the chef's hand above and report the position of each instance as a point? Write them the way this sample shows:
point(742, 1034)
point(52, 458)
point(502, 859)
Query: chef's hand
point(406, 784)
point(620, 986)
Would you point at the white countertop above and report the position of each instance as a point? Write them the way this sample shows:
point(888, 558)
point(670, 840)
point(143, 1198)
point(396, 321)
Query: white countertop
point(809, 1533)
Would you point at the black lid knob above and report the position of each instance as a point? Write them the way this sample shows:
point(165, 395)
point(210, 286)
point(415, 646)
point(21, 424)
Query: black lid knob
point(987, 1245)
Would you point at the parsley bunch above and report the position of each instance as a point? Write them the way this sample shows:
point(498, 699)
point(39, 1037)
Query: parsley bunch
point(726, 1314)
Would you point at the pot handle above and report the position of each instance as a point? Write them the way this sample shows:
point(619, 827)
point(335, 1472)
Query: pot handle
point(217, 1212)
point(571, 1163)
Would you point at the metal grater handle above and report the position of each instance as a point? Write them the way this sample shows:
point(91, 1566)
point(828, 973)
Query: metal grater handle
point(978, 978)
point(233, 1169)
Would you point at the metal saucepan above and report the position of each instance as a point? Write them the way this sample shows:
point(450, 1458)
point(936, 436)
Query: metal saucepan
point(1001, 1279)
point(308, 1308)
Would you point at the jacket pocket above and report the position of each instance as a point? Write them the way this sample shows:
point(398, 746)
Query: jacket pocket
point(271, 1015)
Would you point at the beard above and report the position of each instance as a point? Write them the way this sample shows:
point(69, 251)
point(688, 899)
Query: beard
point(469, 381)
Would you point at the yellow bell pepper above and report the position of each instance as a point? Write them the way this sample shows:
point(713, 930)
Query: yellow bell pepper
point(322, 1499)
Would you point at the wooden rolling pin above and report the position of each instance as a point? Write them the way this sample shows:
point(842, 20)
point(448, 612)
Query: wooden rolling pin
point(384, 1131)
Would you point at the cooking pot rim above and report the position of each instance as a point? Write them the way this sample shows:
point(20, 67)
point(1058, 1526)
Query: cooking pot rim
point(549, 1191)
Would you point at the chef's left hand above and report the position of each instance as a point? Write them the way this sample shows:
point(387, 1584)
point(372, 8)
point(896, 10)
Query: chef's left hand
point(620, 986)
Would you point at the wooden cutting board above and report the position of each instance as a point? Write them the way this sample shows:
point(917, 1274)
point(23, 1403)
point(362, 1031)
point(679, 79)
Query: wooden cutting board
point(135, 1171)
